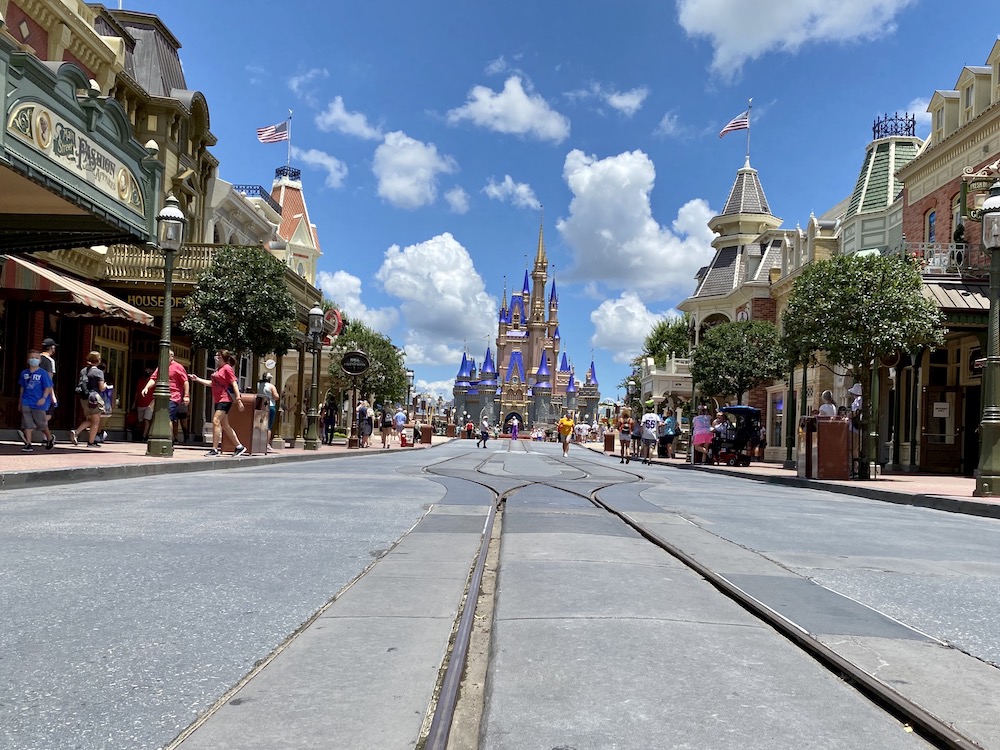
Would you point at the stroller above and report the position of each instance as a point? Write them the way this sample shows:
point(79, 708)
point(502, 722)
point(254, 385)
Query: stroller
point(734, 445)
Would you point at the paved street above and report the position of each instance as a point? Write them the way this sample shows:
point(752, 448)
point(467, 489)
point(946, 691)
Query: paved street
point(129, 607)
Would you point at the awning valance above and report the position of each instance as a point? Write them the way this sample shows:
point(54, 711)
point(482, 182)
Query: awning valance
point(46, 285)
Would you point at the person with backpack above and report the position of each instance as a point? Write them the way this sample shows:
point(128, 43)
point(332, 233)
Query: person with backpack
point(385, 424)
point(90, 390)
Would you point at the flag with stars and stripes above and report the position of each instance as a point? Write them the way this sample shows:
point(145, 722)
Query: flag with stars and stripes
point(740, 122)
point(273, 133)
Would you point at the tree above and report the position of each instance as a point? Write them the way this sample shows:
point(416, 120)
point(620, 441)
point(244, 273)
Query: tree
point(734, 358)
point(668, 336)
point(241, 303)
point(857, 309)
point(386, 377)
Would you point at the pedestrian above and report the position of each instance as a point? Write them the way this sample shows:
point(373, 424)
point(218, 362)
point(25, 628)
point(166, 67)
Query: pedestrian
point(47, 361)
point(143, 404)
point(399, 422)
point(701, 435)
point(109, 402)
point(514, 423)
point(90, 389)
point(385, 425)
point(636, 444)
point(180, 393)
point(669, 433)
point(624, 428)
point(329, 421)
point(827, 408)
point(650, 430)
point(365, 423)
point(35, 399)
point(484, 431)
point(270, 397)
point(565, 427)
point(225, 390)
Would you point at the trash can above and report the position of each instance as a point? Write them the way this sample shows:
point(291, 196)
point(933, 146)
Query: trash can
point(449, 431)
point(258, 441)
point(661, 446)
point(609, 442)
point(833, 448)
point(426, 433)
point(806, 464)
point(242, 423)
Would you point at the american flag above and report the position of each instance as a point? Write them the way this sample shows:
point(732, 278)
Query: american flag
point(273, 133)
point(740, 122)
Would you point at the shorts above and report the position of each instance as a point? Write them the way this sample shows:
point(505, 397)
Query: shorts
point(90, 409)
point(704, 439)
point(177, 410)
point(668, 439)
point(144, 413)
point(563, 438)
point(649, 441)
point(272, 410)
point(32, 419)
point(224, 406)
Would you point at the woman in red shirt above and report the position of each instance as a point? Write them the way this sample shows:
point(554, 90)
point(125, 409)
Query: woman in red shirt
point(225, 391)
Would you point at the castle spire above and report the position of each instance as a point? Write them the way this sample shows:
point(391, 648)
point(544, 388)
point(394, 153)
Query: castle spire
point(541, 261)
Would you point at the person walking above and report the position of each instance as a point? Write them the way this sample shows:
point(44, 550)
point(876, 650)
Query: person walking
point(35, 399)
point(329, 421)
point(669, 433)
point(143, 405)
point(270, 397)
point(385, 425)
point(484, 432)
point(180, 393)
point(701, 435)
point(565, 427)
point(90, 389)
point(225, 390)
point(399, 422)
point(513, 428)
point(650, 431)
point(624, 428)
point(636, 447)
point(47, 361)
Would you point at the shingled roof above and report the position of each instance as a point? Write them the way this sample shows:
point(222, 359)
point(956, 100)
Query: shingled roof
point(747, 195)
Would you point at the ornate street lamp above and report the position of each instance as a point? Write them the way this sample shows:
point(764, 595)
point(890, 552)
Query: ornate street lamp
point(312, 416)
point(170, 227)
point(409, 389)
point(988, 473)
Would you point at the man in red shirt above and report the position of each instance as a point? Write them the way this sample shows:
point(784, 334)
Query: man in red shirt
point(144, 406)
point(180, 391)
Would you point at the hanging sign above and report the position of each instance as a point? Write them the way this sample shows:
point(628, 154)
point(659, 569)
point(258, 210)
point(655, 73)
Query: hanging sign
point(355, 363)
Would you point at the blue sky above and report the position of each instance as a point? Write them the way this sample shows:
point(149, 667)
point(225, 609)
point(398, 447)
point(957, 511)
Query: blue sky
point(434, 137)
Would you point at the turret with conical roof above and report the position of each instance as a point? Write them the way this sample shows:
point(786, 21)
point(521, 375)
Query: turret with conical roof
point(746, 215)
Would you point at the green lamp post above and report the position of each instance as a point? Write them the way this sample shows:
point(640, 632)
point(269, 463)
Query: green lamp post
point(312, 416)
point(988, 473)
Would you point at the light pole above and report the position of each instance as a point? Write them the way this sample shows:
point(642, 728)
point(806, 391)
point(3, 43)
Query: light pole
point(312, 417)
point(170, 228)
point(409, 390)
point(988, 473)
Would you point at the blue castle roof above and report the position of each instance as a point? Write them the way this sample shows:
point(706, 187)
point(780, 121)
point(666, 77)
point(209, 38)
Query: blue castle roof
point(564, 364)
point(464, 372)
point(515, 365)
point(592, 375)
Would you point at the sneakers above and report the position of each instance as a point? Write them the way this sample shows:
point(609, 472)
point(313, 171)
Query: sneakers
point(27, 448)
point(101, 437)
point(23, 437)
point(240, 451)
point(213, 453)
point(50, 443)
point(72, 437)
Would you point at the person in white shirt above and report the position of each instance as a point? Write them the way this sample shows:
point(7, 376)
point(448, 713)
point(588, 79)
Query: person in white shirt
point(827, 408)
point(650, 429)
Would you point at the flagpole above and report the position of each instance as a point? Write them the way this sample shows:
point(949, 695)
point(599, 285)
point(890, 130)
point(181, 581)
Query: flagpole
point(288, 161)
point(749, 107)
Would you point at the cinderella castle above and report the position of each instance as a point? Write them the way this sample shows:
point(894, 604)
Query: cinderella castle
point(524, 380)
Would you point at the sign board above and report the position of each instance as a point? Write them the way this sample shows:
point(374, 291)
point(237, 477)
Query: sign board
point(941, 409)
point(355, 363)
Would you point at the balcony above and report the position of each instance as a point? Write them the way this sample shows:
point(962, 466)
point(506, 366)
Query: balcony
point(141, 264)
point(955, 260)
point(257, 191)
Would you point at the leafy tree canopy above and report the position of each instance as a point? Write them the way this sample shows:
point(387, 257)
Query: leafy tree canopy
point(385, 380)
point(734, 358)
point(668, 336)
point(241, 303)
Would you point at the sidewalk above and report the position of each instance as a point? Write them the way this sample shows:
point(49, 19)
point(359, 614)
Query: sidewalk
point(67, 463)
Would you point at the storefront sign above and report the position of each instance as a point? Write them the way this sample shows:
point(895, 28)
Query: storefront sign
point(941, 409)
point(63, 144)
point(152, 302)
point(355, 363)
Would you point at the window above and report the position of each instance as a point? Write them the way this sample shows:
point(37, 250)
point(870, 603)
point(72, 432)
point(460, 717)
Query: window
point(930, 233)
point(956, 213)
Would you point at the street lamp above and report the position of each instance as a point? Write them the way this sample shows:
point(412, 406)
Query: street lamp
point(988, 473)
point(312, 416)
point(409, 389)
point(170, 228)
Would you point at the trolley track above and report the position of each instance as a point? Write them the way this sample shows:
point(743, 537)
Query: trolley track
point(931, 728)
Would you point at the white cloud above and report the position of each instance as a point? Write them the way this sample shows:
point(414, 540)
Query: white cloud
point(407, 170)
point(435, 388)
point(336, 170)
point(514, 110)
point(918, 108)
point(345, 290)
point(740, 31)
point(621, 326)
point(518, 193)
point(669, 125)
point(624, 102)
point(301, 84)
point(614, 237)
point(497, 67)
point(458, 200)
point(337, 118)
point(444, 300)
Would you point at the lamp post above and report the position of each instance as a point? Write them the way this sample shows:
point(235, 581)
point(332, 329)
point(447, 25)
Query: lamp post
point(170, 229)
point(409, 390)
point(988, 473)
point(312, 417)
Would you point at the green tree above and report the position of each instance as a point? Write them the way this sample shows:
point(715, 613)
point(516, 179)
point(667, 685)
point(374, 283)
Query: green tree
point(386, 377)
point(241, 303)
point(734, 358)
point(668, 336)
point(855, 310)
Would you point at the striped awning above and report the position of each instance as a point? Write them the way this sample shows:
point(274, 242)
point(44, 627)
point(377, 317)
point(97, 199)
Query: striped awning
point(47, 286)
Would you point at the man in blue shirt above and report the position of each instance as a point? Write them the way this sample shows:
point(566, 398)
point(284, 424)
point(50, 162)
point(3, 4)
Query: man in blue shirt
point(36, 398)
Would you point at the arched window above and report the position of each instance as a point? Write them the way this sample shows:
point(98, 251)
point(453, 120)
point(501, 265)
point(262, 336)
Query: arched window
point(930, 229)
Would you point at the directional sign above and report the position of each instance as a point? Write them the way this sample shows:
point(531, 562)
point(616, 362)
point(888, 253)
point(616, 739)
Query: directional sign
point(355, 363)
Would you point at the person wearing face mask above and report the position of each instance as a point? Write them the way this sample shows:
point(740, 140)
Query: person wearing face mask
point(36, 397)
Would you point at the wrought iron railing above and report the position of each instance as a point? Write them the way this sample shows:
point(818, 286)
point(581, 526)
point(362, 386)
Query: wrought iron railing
point(258, 191)
point(945, 258)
